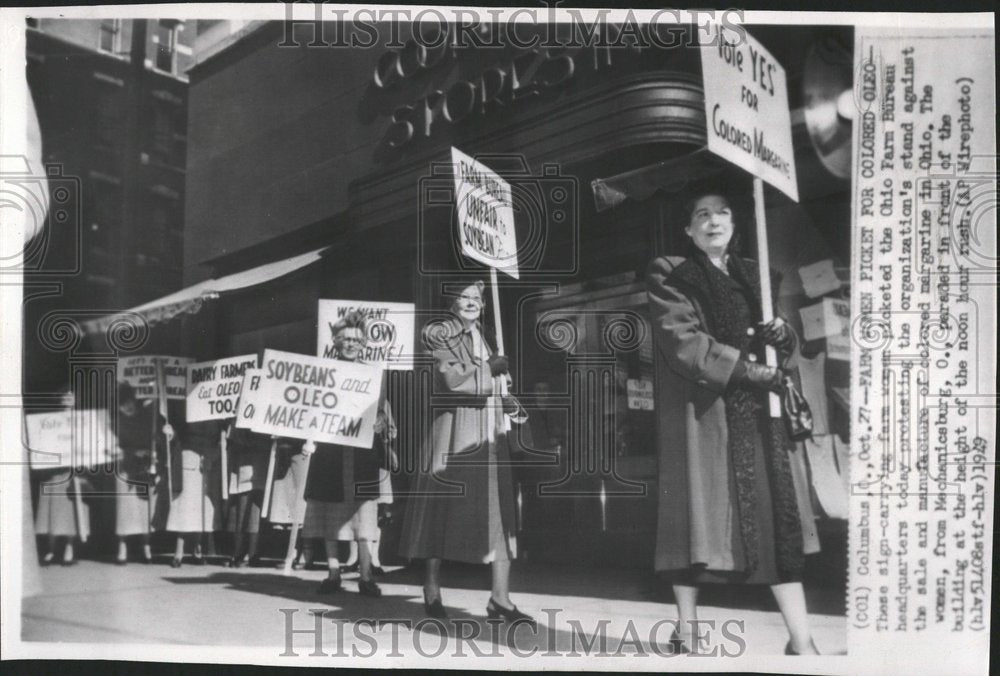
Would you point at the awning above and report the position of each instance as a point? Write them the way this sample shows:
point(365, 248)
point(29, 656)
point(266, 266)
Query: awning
point(670, 175)
point(189, 300)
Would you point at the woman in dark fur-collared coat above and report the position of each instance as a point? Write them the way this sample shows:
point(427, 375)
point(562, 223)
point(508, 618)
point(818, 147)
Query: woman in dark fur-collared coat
point(728, 510)
point(463, 507)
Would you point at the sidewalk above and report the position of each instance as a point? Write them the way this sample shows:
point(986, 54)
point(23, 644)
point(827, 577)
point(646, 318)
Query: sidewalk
point(212, 605)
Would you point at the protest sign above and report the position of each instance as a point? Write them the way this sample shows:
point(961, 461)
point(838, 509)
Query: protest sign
point(485, 214)
point(746, 107)
point(140, 373)
point(213, 387)
point(390, 331)
point(249, 388)
point(323, 400)
point(68, 438)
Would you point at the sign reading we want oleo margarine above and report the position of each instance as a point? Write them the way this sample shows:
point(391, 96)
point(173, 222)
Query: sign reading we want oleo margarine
point(746, 106)
point(390, 330)
point(303, 397)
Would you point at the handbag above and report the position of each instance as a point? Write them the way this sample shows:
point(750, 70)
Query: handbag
point(796, 412)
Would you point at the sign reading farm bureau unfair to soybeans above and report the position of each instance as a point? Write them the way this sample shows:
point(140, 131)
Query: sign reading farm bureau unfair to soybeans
point(140, 373)
point(390, 330)
point(214, 387)
point(485, 214)
point(746, 106)
point(326, 400)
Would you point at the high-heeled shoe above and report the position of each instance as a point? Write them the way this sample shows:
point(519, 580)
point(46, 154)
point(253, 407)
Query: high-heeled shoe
point(175, 562)
point(69, 562)
point(435, 608)
point(47, 560)
point(677, 644)
point(369, 588)
point(789, 650)
point(495, 610)
point(121, 562)
point(330, 585)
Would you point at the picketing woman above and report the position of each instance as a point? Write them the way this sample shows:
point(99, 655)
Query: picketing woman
point(63, 515)
point(343, 488)
point(133, 487)
point(728, 511)
point(195, 510)
point(463, 507)
point(249, 453)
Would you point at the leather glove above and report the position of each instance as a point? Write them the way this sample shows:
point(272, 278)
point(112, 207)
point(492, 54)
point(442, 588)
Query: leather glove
point(759, 376)
point(778, 333)
point(384, 514)
point(498, 364)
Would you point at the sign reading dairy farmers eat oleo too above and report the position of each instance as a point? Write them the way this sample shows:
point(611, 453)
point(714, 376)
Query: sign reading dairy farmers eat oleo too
point(213, 387)
point(304, 397)
point(746, 106)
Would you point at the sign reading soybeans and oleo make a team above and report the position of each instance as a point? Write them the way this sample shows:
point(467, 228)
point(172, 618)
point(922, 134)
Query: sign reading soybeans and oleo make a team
point(213, 387)
point(485, 214)
point(390, 331)
point(140, 373)
point(746, 106)
point(70, 438)
point(304, 397)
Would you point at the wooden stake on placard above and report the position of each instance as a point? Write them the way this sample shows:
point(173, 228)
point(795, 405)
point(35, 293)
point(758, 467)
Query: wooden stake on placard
point(499, 382)
point(766, 304)
point(300, 494)
point(266, 505)
point(78, 507)
point(223, 460)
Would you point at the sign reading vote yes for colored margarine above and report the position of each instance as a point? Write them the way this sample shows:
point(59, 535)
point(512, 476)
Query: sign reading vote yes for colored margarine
point(140, 373)
point(214, 387)
point(390, 331)
point(746, 105)
point(485, 214)
point(303, 397)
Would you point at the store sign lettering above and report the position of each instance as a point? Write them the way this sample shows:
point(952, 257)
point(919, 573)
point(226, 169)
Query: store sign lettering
point(523, 76)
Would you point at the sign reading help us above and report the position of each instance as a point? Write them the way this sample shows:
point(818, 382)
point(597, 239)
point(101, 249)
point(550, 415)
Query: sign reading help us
point(213, 387)
point(746, 107)
point(485, 214)
point(304, 397)
point(390, 332)
point(140, 373)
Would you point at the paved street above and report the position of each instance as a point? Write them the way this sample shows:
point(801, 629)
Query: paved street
point(143, 604)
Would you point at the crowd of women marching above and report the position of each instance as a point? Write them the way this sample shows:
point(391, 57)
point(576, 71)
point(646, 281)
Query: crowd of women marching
point(728, 510)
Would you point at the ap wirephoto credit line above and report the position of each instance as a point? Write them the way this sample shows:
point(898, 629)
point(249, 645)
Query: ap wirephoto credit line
point(498, 338)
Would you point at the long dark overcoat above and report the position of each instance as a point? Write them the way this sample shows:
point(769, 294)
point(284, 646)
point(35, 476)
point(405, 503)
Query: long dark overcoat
point(697, 513)
point(449, 515)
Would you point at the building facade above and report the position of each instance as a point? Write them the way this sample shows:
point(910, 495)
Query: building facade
point(111, 97)
point(299, 141)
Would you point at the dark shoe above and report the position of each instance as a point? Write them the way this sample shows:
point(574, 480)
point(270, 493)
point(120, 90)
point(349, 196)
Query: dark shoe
point(353, 568)
point(147, 559)
point(121, 562)
point(435, 609)
point(369, 588)
point(791, 651)
point(242, 563)
point(677, 645)
point(378, 570)
point(175, 563)
point(495, 610)
point(330, 585)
